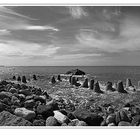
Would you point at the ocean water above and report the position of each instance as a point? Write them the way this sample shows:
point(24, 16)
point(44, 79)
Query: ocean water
point(101, 73)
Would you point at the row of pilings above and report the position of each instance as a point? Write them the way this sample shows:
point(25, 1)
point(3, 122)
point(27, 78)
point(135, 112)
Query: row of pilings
point(95, 86)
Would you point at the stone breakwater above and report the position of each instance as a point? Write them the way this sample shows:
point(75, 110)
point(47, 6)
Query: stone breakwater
point(71, 103)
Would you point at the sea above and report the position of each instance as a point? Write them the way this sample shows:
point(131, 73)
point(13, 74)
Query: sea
point(100, 73)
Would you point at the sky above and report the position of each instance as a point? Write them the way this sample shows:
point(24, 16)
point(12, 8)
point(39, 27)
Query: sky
point(69, 35)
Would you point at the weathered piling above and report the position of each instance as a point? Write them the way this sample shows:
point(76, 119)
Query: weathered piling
point(73, 81)
point(97, 88)
point(34, 77)
point(19, 79)
point(128, 83)
point(109, 86)
point(91, 84)
point(120, 87)
point(85, 83)
point(14, 77)
point(53, 81)
point(24, 79)
point(59, 78)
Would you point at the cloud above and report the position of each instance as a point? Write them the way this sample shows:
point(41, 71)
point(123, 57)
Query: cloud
point(39, 28)
point(11, 20)
point(77, 12)
point(4, 10)
point(26, 49)
point(4, 32)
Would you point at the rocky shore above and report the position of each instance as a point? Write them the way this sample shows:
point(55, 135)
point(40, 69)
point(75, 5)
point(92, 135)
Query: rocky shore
point(69, 102)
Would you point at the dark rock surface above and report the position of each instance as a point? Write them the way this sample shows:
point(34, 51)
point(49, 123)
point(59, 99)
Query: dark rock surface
point(8, 119)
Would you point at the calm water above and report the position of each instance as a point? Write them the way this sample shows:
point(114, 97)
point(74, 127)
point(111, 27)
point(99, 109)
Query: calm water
point(102, 73)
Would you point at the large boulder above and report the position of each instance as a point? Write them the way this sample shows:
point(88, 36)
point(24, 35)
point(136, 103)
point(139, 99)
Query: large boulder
point(29, 104)
point(13, 90)
point(25, 113)
point(4, 94)
point(41, 98)
point(136, 120)
point(40, 122)
point(8, 119)
point(91, 119)
point(75, 72)
point(45, 110)
point(25, 92)
point(122, 115)
point(76, 122)
point(61, 118)
point(123, 123)
point(52, 121)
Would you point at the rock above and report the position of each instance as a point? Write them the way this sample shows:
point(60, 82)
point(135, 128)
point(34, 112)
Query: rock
point(13, 90)
point(4, 94)
point(23, 86)
point(21, 97)
point(70, 116)
point(75, 72)
point(14, 78)
point(3, 82)
point(64, 124)
point(39, 122)
point(53, 104)
point(29, 104)
point(91, 84)
point(34, 77)
point(122, 115)
point(81, 123)
point(25, 113)
point(24, 79)
point(128, 83)
point(16, 86)
point(103, 123)
point(45, 110)
point(123, 123)
point(73, 122)
point(76, 122)
point(7, 101)
point(111, 124)
point(26, 92)
point(13, 99)
point(110, 110)
point(61, 118)
point(8, 119)
point(85, 83)
point(52, 121)
point(97, 88)
point(19, 79)
point(42, 99)
point(109, 87)
point(120, 87)
point(92, 119)
point(2, 106)
point(30, 97)
point(38, 91)
point(110, 119)
point(136, 120)
point(53, 81)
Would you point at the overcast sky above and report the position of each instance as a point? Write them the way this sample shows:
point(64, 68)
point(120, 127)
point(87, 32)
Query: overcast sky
point(87, 36)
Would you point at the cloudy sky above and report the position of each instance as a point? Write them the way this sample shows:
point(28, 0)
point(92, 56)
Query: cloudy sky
point(58, 35)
